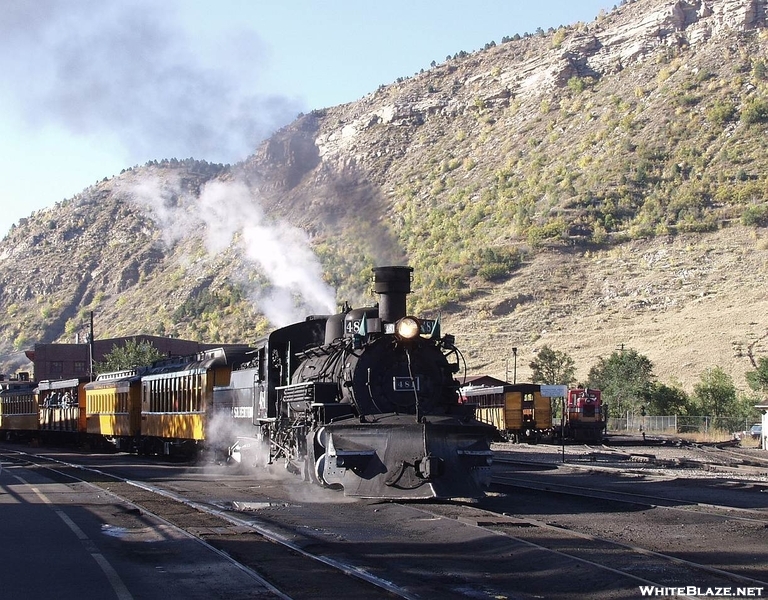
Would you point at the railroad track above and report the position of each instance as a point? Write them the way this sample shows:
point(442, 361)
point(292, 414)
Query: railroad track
point(633, 463)
point(646, 501)
point(723, 457)
point(641, 566)
point(506, 557)
point(740, 456)
point(215, 528)
point(714, 460)
point(683, 516)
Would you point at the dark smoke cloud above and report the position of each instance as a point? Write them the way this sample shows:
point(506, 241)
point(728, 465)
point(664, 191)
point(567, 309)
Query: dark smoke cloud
point(127, 70)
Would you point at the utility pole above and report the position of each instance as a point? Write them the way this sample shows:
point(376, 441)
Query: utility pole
point(514, 371)
point(90, 349)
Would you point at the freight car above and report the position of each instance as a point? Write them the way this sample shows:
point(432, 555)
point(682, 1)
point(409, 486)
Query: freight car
point(518, 411)
point(363, 400)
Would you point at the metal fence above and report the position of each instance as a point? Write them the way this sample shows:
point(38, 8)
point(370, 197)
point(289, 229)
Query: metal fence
point(677, 424)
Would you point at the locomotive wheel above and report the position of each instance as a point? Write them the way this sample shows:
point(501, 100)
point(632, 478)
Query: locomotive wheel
point(317, 471)
point(317, 474)
point(321, 437)
point(316, 466)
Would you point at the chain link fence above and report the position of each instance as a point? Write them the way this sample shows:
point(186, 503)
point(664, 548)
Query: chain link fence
point(672, 424)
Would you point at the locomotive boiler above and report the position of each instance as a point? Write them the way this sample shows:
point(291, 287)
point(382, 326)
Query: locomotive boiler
point(366, 400)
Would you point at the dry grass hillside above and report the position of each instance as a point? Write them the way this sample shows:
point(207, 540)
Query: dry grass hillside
point(689, 303)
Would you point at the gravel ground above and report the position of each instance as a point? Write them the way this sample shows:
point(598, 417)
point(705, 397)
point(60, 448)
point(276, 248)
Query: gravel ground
point(702, 477)
point(662, 460)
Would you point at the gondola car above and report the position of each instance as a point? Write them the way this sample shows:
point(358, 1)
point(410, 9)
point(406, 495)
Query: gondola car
point(518, 411)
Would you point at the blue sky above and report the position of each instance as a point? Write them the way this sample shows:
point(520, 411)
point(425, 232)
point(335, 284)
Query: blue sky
point(91, 87)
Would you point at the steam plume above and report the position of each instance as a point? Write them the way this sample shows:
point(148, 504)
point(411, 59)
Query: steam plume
point(228, 215)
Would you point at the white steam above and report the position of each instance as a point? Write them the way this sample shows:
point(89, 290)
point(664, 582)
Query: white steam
point(227, 215)
point(252, 460)
point(280, 250)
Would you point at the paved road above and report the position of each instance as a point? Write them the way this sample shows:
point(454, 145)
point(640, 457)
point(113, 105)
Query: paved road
point(70, 541)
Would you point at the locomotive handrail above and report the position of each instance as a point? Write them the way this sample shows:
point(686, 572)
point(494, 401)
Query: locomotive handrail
point(319, 351)
point(295, 385)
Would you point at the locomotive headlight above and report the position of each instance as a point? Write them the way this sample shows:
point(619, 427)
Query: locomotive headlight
point(407, 328)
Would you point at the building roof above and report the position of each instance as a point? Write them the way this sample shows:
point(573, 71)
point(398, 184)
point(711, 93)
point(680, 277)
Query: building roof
point(483, 380)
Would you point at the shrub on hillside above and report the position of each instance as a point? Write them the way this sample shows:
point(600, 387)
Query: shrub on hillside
point(756, 216)
point(495, 263)
point(755, 111)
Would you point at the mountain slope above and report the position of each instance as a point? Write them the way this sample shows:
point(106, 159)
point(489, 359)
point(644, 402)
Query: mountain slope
point(521, 182)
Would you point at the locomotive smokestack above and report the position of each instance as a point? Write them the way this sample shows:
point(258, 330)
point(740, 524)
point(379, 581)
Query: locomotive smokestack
point(392, 284)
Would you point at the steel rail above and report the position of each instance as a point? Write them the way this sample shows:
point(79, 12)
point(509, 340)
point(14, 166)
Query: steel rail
point(273, 536)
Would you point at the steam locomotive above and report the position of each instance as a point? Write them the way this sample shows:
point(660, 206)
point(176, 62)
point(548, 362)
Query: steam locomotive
point(363, 400)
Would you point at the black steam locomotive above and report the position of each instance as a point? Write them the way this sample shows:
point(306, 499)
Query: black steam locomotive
point(365, 400)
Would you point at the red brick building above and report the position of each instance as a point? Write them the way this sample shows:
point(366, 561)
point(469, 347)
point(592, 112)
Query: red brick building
point(68, 361)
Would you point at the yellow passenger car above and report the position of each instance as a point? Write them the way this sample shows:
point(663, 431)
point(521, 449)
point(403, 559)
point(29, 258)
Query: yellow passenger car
point(18, 408)
point(173, 404)
point(518, 411)
point(177, 403)
point(113, 407)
